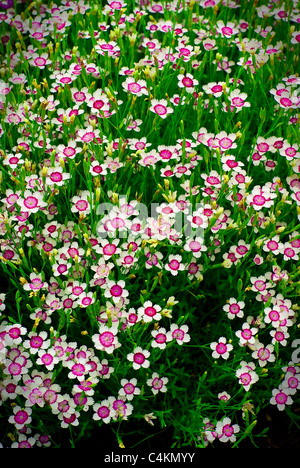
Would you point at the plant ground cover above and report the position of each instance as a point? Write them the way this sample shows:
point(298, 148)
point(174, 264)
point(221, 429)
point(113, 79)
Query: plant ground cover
point(150, 224)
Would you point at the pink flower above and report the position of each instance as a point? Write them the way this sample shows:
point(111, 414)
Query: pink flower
point(221, 348)
point(281, 397)
point(234, 308)
point(157, 383)
point(160, 107)
point(246, 375)
point(115, 290)
point(187, 82)
point(20, 417)
point(139, 358)
point(107, 340)
point(175, 265)
point(263, 353)
point(40, 61)
point(246, 335)
point(138, 88)
point(179, 334)
point(149, 312)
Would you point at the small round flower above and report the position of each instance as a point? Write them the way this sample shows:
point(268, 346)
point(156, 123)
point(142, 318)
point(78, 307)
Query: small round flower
point(246, 335)
point(138, 88)
point(115, 291)
point(292, 382)
point(179, 333)
point(246, 375)
point(160, 107)
point(106, 340)
point(47, 358)
point(224, 396)
point(174, 264)
point(20, 417)
point(234, 308)
point(281, 397)
point(36, 341)
point(129, 388)
point(149, 312)
point(157, 383)
point(160, 338)
point(263, 353)
point(221, 348)
point(187, 82)
point(122, 409)
point(275, 315)
point(279, 336)
point(226, 430)
point(139, 358)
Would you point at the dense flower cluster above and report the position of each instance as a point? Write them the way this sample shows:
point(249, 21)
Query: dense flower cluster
point(139, 207)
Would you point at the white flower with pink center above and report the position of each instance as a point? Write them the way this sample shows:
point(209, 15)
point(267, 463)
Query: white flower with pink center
point(260, 198)
point(20, 417)
point(115, 290)
point(160, 108)
point(263, 354)
point(187, 82)
point(226, 30)
point(129, 389)
point(97, 168)
point(273, 245)
point(31, 202)
point(179, 334)
point(287, 101)
point(238, 100)
point(279, 336)
point(110, 48)
point(246, 335)
point(289, 252)
point(157, 383)
point(36, 341)
point(80, 96)
point(77, 369)
point(88, 134)
point(12, 160)
point(137, 88)
point(85, 299)
point(108, 248)
point(221, 348)
point(107, 340)
point(40, 61)
point(289, 151)
point(56, 176)
point(213, 179)
point(104, 411)
point(226, 431)
point(281, 398)
point(36, 283)
point(68, 151)
point(225, 141)
point(246, 375)
point(98, 103)
point(215, 88)
point(47, 358)
point(234, 308)
point(81, 203)
point(196, 246)
point(224, 64)
point(139, 358)
point(292, 382)
point(149, 312)
point(160, 338)
point(174, 264)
